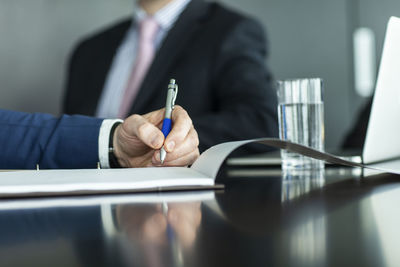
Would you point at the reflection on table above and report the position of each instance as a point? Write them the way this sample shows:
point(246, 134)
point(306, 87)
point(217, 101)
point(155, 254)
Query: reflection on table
point(159, 234)
point(331, 217)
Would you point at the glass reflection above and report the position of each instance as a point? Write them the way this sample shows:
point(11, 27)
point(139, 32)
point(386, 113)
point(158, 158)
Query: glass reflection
point(155, 235)
point(296, 183)
point(307, 243)
point(306, 239)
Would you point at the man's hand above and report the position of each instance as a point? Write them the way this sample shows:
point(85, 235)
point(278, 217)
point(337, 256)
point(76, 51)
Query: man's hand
point(137, 142)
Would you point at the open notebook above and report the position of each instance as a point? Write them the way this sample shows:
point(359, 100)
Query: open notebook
point(33, 183)
point(101, 181)
point(201, 175)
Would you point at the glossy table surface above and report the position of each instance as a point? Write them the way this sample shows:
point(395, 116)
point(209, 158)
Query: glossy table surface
point(263, 217)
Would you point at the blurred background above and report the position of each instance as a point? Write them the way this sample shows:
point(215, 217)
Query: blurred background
point(339, 41)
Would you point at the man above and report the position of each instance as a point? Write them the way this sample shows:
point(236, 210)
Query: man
point(216, 55)
point(81, 142)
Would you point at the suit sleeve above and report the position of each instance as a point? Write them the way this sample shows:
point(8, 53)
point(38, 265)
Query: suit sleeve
point(243, 86)
point(65, 142)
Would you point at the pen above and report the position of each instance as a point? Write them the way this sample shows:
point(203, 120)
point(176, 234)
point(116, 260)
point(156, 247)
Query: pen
point(169, 106)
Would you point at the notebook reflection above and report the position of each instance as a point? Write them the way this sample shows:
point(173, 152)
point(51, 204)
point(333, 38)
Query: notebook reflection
point(153, 235)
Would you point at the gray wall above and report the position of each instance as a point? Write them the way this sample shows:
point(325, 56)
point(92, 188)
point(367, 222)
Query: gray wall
point(36, 37)
point(308, 38)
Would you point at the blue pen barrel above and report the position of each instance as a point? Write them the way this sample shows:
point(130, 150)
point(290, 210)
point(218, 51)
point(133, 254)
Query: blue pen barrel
point(166, 127)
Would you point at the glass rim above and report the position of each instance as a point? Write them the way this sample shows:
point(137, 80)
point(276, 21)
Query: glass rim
point(299, 79)
point(307, 90)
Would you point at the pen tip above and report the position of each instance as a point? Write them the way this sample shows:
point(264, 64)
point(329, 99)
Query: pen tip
point(163, 154)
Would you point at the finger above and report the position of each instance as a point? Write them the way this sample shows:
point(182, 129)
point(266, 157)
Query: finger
point(139, 127)
point(186, 160)
point(155, 117)
point(182, 161)
point(190, 144)
point(180, 129)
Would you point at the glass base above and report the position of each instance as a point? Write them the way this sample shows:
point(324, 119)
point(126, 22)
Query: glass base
point(299, 162)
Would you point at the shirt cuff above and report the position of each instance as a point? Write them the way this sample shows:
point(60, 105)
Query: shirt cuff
point(104, 137)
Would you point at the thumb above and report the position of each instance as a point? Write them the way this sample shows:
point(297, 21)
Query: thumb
point(139, 127)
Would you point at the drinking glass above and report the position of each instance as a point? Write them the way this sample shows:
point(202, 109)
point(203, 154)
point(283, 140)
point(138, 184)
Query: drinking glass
point(301, 120)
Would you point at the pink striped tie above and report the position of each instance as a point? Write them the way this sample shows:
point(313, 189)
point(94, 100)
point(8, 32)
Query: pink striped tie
point(146, 49)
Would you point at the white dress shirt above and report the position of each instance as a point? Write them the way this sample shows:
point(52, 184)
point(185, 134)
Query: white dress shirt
point(124, 61)
point(104, 139)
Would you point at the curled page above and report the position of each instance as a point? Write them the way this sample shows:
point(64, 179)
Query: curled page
point(211, 160)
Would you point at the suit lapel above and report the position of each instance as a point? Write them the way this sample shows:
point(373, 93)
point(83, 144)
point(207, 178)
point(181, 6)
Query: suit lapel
point(184, 29)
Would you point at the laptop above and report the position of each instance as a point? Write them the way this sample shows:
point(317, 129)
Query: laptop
point(383, 134)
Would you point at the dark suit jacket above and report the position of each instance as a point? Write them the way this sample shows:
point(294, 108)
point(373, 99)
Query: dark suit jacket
point(30, 139)
point(218, 59)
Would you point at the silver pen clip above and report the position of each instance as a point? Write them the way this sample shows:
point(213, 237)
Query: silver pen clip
point(174, 87)
point(171, 97)
point(175, 95)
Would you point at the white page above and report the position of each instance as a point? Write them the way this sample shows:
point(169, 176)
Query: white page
point(211, 160)
point(104, 180)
